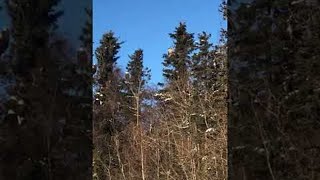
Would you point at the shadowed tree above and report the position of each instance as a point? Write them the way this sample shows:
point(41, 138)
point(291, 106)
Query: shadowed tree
point(4, 40)
point(86, 36)
point(106, 55)
point(32, 23)
point(44, 116)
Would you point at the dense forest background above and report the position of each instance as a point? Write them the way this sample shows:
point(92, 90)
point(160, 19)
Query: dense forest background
point(273, 75)
point(176, 130)
point(246, 108)
point(46, 98)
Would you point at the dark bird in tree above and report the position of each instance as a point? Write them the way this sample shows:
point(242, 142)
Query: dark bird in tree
point(4, 40)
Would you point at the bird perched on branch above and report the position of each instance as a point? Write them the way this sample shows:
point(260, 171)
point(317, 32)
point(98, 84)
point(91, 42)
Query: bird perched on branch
point(4, 40)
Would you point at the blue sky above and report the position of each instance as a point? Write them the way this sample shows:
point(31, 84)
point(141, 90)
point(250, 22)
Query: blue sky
point(146, 23)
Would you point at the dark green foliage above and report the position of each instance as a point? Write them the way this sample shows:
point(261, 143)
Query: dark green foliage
point(137, 75)
point(177, 63)
point(51, 100)
point(274, 105)
point(167, 117)
point(106, 55)
point(203, 63)
point(135, 82)
point(108, 101)
point(86, 36)
point(32, 23)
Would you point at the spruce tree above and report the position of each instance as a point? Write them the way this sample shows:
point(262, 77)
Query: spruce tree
point(202, 63)
point(34, 128)
point(106, 55)
point(32, 22)
point(107, 101)
point(178, 59)
point(273, 94)
point(85, 51)
point(135, 80)
point(86, 36)
point(138, 75)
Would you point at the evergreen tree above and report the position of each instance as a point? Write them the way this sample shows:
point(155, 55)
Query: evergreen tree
point(32, 22)
point(218, 67)
point(106, 55)
point(86, 36)
point(85, 51)
point(135, 81)
point(137, 75)
point(108, 104)
point(202, 61)
point(33, 125)
point(178, 59)
point(273, 59)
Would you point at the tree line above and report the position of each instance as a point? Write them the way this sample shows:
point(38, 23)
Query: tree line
point(46, 107)
point(175, 130)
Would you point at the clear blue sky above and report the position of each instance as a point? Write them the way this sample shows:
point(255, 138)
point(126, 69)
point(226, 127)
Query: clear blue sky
point(146, 24)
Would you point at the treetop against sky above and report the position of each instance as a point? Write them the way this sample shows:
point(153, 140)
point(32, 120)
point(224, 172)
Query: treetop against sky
point(146, 24)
